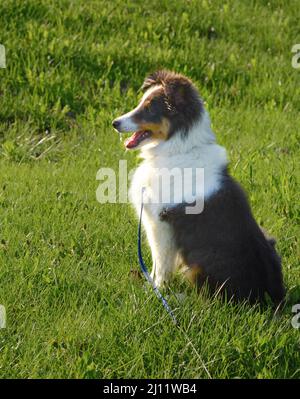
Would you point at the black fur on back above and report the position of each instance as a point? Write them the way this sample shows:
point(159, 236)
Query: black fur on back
point(228, 247)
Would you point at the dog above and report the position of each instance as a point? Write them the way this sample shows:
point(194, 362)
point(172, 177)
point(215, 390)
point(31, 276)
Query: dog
point(222, 246)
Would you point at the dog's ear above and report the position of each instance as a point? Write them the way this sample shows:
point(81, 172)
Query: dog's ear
point(181, 93)
point(158, 77)
point(177, 93)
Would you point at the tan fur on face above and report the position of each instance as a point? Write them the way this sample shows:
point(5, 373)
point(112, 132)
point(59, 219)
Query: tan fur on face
point(159, 131)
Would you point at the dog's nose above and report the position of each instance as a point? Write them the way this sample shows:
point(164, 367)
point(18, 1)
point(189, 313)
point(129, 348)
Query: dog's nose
point(116, 124)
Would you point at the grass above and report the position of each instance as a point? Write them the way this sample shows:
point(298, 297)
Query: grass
point(73, 311)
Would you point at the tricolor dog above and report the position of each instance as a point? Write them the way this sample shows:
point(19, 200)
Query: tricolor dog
point(222, 245)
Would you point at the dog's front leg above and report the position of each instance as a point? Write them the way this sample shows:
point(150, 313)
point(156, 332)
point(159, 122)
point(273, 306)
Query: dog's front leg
point(164, 257)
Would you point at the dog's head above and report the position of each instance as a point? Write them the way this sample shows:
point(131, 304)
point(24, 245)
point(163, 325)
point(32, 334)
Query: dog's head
point(171, 104)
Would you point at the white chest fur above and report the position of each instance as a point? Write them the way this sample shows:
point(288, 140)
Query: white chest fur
point(154, 173)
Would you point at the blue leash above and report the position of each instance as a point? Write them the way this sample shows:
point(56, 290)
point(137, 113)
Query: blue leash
point(144, 267)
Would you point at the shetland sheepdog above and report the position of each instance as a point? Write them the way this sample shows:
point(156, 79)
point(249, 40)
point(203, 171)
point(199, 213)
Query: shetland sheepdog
point(221, 246)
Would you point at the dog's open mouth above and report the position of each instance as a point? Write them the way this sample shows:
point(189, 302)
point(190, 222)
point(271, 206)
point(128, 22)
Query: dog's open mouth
point(137, 137)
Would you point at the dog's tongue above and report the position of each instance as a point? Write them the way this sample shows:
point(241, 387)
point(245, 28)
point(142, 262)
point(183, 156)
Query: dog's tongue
point(136, 138)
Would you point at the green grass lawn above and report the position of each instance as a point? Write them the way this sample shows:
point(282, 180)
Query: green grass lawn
point(73, 310)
